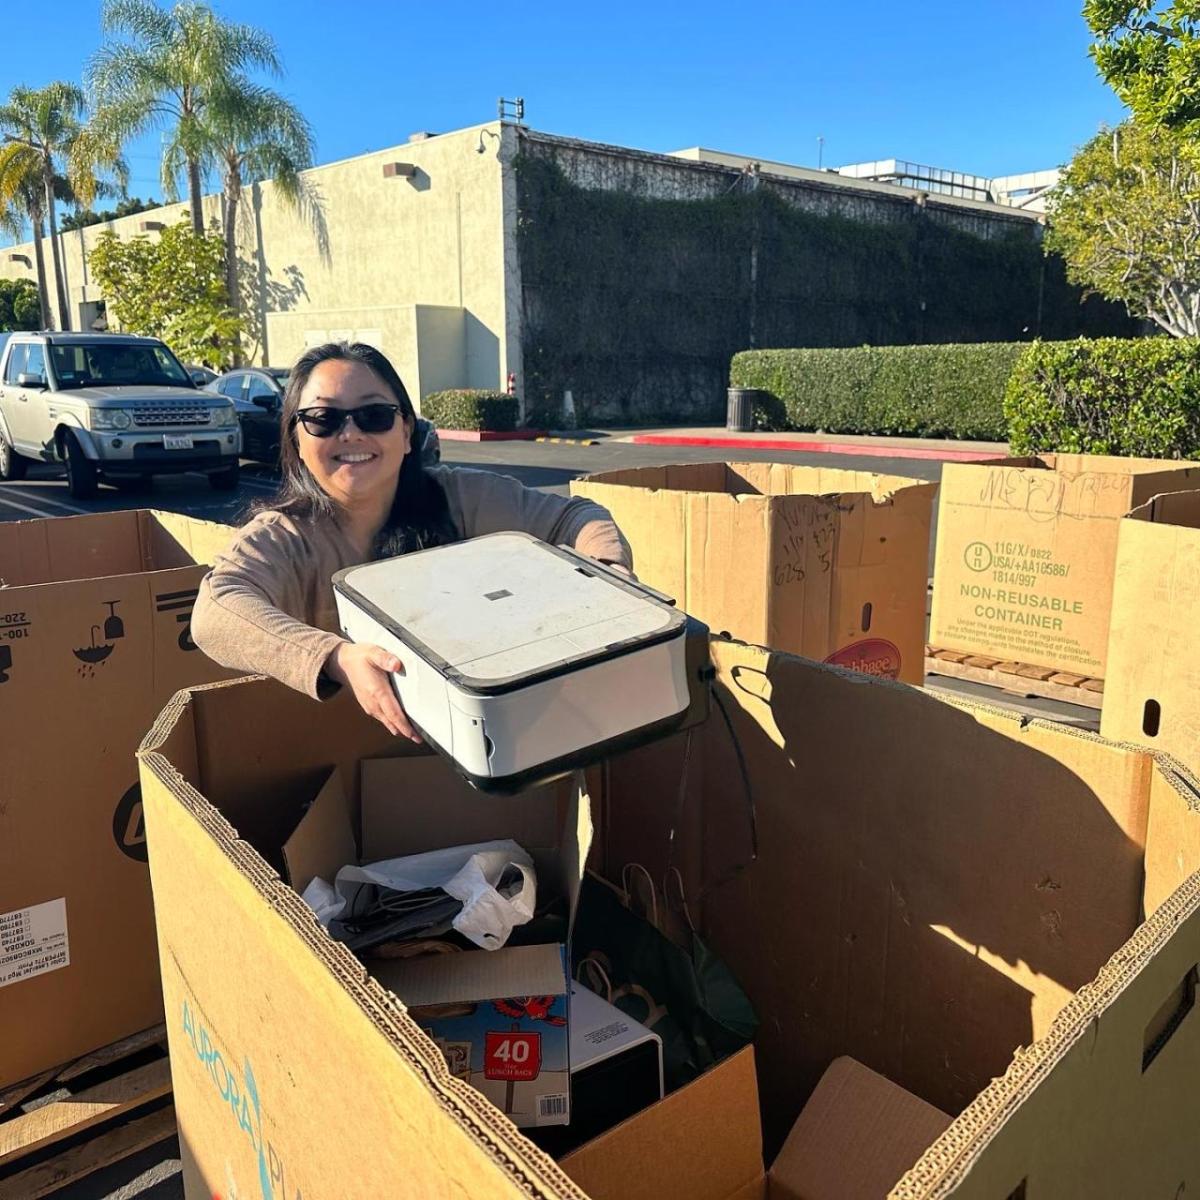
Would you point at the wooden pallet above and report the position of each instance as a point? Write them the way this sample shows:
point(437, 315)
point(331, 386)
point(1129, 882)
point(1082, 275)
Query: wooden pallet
point(72, 1120)
point(1021, 679)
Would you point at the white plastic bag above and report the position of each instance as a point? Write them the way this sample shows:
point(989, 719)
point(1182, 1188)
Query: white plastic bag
point(468, 873)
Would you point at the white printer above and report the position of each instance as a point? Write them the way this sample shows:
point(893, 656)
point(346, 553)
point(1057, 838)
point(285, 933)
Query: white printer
point(521, 659)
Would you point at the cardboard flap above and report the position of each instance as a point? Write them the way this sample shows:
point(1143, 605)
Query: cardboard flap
point(59, 549)
point(1171, 508)
point(701, 1143)
point(323, 842)
point(173, 540)
point(855, 1138)
point(473, 975)
point(939, 879)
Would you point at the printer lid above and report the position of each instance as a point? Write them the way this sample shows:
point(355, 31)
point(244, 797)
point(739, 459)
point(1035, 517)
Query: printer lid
point(505, 610)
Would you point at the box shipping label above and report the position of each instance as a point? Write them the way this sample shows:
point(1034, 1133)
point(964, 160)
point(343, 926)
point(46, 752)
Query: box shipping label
point(33, 941)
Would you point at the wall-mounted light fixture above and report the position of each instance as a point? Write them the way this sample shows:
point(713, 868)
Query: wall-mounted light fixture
point(399, 170)
point(485, 133)
point(151, 227)
point(23, 259)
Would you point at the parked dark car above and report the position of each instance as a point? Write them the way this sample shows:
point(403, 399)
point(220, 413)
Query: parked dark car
point(201, 375)
point(257, 394)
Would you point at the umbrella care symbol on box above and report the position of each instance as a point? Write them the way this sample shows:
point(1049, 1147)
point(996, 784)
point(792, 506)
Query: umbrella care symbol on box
point(93, 655)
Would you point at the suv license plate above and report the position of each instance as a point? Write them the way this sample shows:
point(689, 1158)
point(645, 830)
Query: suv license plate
point(176, 443)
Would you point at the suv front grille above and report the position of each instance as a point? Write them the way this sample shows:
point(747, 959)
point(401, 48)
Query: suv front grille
point(152, 415)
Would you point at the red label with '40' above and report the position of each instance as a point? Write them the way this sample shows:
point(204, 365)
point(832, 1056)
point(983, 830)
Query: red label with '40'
point(512, 1056)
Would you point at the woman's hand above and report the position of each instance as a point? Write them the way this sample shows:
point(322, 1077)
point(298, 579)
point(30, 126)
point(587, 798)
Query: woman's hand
point(367, 671)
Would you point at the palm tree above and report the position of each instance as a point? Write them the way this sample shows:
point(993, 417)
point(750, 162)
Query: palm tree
point(44, 146)
point(164, 73)
point(253, 133)
point(21, 193)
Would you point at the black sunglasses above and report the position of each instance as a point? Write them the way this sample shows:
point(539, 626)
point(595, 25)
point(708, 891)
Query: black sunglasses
point(325, 422)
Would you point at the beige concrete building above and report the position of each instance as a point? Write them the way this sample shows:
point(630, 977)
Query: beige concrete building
point(414, 255)
point(627, 278)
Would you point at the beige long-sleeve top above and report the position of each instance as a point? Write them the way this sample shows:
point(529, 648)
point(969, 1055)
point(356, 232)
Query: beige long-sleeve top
point(267, 606)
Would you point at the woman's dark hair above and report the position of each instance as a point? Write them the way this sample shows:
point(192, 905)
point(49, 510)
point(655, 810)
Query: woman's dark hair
point(420, 517)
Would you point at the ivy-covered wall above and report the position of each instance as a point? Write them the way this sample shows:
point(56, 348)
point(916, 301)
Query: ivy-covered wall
point(641, 277)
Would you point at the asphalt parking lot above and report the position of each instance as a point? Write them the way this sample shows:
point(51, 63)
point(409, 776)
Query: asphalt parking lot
point(546, 465)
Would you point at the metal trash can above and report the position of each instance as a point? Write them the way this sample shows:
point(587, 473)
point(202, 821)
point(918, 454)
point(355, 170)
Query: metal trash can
point(740, 409)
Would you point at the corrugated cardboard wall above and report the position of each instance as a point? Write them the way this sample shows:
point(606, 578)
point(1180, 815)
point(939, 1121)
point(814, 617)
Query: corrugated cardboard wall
point(929, 889)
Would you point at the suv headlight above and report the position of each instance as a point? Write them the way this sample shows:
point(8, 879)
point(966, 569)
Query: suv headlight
point(223, 416)
point(110, 418)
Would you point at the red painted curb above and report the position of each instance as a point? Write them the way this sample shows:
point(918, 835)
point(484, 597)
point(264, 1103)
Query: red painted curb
point(863, 451)
point(489, 435)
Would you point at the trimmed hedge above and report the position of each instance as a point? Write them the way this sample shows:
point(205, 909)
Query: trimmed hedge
point(1137, 397)
point(954, 391)
point(472, 408)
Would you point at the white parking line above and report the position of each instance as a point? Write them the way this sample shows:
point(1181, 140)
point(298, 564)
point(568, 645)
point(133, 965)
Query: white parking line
point(33, 512)
point(259, 485)
point(38, 498)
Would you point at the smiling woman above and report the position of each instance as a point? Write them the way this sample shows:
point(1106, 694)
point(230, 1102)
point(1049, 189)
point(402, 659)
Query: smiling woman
point(353, 490)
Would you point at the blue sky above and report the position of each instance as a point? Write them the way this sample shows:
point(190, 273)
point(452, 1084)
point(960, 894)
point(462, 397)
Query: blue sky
point(986, 86)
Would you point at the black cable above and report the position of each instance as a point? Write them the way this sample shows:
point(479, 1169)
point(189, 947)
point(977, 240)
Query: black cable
point(751, 807)
point(681, 802)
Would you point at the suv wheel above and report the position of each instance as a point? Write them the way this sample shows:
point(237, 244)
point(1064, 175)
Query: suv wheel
point(226, 480)
point(82, 479)
point(12, 465)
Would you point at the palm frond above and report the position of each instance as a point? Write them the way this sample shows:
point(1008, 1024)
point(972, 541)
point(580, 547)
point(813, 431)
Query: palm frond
point(21, 179)
point(174, 164)
point(140, 20)
point(12, 222)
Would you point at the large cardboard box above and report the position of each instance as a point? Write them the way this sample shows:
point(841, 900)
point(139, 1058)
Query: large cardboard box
point(999, 916)
point(94, 638)
point(829, 564)
point(499, 1016)
point(1026, 549)
point(1152, 696)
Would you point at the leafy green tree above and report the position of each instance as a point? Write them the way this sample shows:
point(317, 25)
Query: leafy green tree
point(18, 304)
point(83, 217)
point(173, 288)
point(1149, 53)
point(159, 70)
point(1126, 218)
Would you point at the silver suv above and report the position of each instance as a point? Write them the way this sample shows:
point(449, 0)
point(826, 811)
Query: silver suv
point(110, 406)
